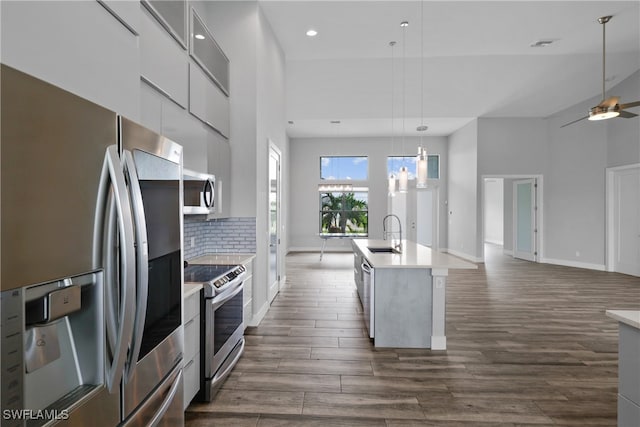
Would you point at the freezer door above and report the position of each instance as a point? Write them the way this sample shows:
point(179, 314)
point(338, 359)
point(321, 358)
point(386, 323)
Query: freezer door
point(52, 149)
point(164, 407)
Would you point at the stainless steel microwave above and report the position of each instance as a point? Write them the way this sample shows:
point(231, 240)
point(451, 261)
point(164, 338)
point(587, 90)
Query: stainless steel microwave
point(199, 193)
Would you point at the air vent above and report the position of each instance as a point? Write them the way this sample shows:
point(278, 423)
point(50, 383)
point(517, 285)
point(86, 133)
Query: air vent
point(542, 43)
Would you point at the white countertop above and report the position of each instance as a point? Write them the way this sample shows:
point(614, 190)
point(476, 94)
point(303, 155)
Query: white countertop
point(190, 289)
point(413, 255)
point(221, 258)
point(629, 317)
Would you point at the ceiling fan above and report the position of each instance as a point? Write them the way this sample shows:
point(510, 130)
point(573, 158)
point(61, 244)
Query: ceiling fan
point(608, 108)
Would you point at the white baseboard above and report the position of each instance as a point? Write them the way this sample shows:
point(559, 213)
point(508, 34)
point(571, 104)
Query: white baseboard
point(257, 317)
point(462, 255)
point(576, 264)
point(438, 343)
point(494, 242)
point(507, 252)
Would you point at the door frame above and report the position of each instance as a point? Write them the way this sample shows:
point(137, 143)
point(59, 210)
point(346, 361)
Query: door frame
point(539, 212)
point(610, 235)
point(273, 291)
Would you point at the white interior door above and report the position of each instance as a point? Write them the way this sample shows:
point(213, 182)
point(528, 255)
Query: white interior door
point(626, 221)
point(274, 222)
point(524, 219)
point(427, 217)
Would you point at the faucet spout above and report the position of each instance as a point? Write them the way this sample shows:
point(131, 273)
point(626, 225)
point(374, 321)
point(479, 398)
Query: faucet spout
point(385, 233)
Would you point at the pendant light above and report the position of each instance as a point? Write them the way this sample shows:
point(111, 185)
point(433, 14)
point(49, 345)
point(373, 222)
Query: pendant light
point(421, 159)
point(403, 176)
point(392, 177)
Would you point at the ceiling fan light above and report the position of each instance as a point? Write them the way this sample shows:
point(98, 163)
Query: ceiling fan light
point(603, 113)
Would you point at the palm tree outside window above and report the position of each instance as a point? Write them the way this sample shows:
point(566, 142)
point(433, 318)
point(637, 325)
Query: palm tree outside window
point(344, 213)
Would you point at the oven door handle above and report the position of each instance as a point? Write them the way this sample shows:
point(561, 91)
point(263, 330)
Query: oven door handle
point(219, 300)
point(142, 260)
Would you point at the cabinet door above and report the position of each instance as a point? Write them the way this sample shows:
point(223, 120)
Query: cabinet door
point(186, 130)
point(78, 46)
point(163, 62)
point(220, 166)
point(127, 12)
point(207, 102)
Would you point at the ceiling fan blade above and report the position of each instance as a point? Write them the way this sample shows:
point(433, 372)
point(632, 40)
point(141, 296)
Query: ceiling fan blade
point(627, 114)
point(570, 123)
point(630, 105)
point(609, 102)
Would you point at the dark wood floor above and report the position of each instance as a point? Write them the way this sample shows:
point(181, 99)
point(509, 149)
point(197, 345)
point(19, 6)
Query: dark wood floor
point(528, 344)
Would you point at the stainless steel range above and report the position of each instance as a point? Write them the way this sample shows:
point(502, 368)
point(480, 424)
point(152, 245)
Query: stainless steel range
point(222, 329)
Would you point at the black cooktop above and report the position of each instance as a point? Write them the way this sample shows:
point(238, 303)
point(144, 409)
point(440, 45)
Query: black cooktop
point(199, 273)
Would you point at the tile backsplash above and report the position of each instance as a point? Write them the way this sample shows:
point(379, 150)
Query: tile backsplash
point(226, 235)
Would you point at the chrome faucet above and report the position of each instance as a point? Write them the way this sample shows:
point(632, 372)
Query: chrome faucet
point(386, 233)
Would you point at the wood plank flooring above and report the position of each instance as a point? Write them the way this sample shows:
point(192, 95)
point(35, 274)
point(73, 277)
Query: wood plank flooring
point(528, 344)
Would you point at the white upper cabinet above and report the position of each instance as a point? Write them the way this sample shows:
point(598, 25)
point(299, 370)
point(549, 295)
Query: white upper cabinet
point(207, 102)
point(220, 166)
point(127, 12)
point(163, 62)
point(172, 15)
point(78, 46)
point(206, 52)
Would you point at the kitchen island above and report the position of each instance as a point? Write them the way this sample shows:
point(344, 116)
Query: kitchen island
point(403, 292)
point(628, 366)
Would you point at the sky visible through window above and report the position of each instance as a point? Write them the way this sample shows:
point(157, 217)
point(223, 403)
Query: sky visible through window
point(344, 168)
point(394, 163)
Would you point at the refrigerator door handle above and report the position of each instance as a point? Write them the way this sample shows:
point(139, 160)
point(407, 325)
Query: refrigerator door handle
point(112, 172)
point(167, 401)
point(142, 260)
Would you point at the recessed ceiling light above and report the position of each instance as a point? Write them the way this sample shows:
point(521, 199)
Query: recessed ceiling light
point(199, 36)
point(404, 24)
point(312, 33)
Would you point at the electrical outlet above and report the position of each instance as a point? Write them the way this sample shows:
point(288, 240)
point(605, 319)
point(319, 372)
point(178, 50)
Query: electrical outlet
point(193, 242)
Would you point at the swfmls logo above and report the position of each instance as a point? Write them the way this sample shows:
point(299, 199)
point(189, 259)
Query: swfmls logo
point(35, 414)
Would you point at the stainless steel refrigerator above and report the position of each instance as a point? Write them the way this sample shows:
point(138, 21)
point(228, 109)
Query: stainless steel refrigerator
point(91, 263)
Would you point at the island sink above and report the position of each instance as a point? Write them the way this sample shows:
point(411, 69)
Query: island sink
point(383, 249)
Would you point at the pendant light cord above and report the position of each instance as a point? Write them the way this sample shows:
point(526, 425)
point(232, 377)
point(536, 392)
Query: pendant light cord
point(604, 24)
point(404, 78)
point(392, 44)
point(421, 65)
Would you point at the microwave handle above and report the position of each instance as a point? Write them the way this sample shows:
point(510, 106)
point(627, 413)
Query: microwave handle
point(112, 172)
point(142, 260)
point(208, 193)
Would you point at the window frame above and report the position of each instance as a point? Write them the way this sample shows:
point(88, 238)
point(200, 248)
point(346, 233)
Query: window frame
point(414, 172)
point(366, 177)
point(343, 211)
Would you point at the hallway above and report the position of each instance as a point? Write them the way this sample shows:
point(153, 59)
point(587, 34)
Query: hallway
point(528, 344)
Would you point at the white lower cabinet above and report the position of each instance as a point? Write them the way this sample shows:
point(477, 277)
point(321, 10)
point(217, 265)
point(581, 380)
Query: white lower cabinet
point(191, 360)
point(247, 294)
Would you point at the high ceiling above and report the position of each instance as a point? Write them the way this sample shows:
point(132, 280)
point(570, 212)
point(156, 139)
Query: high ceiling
point(476, 58)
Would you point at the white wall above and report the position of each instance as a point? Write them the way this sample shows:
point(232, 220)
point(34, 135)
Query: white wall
point(305, 177)
point(463, 192)
point(494, 210)
point(575, 186)
point(257, 116)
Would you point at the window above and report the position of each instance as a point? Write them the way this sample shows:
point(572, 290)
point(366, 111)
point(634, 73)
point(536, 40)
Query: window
point(344, 168)
point(433, 165)
point(345, 213)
